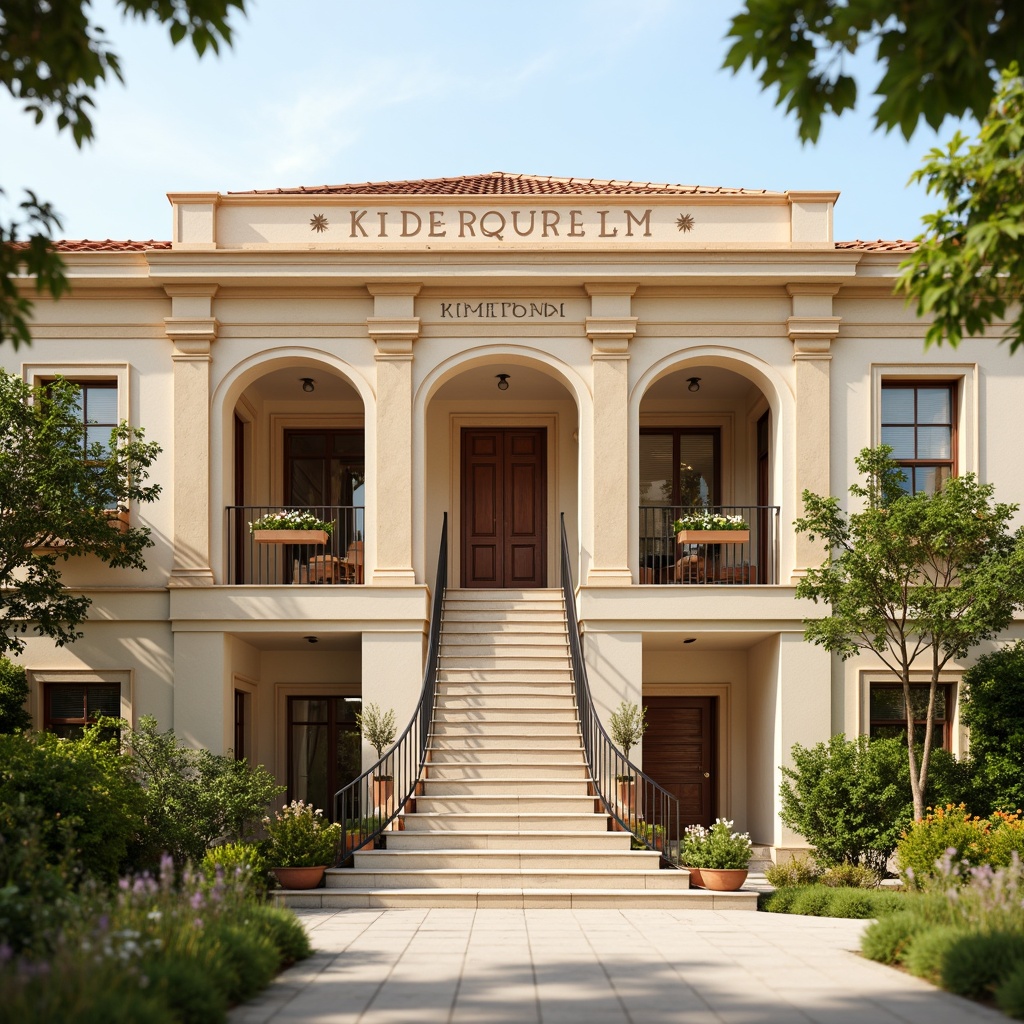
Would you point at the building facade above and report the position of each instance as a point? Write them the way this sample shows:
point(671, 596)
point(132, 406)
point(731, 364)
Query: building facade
point(505, 350)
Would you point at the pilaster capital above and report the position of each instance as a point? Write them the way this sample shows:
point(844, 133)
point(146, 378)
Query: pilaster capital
point(192, 336)
point(812, 336)
point(611, 335)
point(393, 336)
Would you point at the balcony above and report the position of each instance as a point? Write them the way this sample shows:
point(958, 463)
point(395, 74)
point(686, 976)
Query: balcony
point(329, 557)
point(696, 559)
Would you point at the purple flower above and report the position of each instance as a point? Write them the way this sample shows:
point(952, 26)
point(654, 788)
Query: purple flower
point(196, 901)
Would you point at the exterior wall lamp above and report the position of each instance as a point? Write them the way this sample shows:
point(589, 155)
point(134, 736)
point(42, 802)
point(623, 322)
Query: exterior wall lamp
point(503, 381)
point(307, 383)
point(693, 383)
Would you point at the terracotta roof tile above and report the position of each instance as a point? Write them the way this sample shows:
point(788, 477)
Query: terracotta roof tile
point(499, 183)
point(899, 245)
point(107, 245)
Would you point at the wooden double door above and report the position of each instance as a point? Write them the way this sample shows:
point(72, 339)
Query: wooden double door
point(504, 507)
point(679, 753)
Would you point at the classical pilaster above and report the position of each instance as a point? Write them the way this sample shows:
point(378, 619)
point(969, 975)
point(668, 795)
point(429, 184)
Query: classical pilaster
point(394, 328)
point(812, 328)
point(192, 329)
point(610, 327)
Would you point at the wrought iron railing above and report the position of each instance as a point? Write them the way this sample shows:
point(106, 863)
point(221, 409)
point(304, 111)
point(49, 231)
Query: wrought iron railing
point(256, 557)
point(733, 558)
point(635, 802)
point(369, 807)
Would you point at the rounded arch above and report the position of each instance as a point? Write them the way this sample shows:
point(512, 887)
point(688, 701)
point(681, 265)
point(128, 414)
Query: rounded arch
point(225, 396)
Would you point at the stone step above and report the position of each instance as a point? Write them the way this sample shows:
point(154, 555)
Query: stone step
point(500, 787)
point(506, 728)
point(522, 859)
point(522, 713)
point(487, 878)
point(518, 822)
point(481, 640)
point(507, 803)
point(539, 662)
point(458, 740)
point(515, 899)
point(531, 769)
point(497, 628)
point(503, 675)
point(498, 613)
point(565, 702)
point(491, 754)
point(554, 839)
point(541, 691)
point(505, 593)
point(511, 653)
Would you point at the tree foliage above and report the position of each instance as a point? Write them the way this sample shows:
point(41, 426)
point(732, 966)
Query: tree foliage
point(968, 269)
point(53, 57)
point(938, 57)
point(13, 694)
point(914, 579)
point(992, 707)
point(61, 497)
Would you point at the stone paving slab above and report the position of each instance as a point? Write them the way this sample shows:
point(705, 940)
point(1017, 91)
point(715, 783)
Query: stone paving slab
point(515, 966)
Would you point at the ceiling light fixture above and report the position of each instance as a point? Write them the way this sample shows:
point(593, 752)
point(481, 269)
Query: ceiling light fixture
point(311, 639)
point(693, 383)
point(503, 381)
point(690, 640)
point(308, 383)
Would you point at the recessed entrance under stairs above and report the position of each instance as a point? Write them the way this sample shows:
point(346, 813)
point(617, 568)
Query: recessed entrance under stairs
point(504, 504)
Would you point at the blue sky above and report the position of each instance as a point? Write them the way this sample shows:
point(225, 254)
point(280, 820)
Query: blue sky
point(326, 91)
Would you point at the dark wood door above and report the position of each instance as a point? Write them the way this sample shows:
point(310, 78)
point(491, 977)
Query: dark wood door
point(504, 501)
point(679, 753)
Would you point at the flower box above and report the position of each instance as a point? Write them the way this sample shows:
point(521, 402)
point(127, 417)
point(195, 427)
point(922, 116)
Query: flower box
point(290, 536)
point(713, 536)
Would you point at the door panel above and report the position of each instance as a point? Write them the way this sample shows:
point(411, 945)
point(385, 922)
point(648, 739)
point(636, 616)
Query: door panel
point(679, 753)
point(504, 503)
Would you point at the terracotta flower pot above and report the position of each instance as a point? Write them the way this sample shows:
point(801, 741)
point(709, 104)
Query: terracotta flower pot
point(299, 878)
point(383, 796)
point(718, 879)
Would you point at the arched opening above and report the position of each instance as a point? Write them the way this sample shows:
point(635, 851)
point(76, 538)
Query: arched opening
point(501, 455)
point(295, 489)
point(707, 509)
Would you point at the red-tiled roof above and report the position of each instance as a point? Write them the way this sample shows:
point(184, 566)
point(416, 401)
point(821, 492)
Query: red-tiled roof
point(899, 245)
point(107, 245)
point(498, 183)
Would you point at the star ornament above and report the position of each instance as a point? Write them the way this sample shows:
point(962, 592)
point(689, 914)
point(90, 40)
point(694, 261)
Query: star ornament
point(684, 222)
point(318, 223)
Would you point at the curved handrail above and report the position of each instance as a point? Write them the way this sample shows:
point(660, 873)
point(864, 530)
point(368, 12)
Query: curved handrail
point(639, 804)
point(376, 798)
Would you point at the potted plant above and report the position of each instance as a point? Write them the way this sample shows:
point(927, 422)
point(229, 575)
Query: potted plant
point(357, 829)
point(716, 857)
point(378, 729)
point(704, 527)
point(301, 844)
point(291, 527)
point(648, 835)
point(628, 725)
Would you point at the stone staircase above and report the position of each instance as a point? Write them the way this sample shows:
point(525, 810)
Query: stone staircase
point(506, 815)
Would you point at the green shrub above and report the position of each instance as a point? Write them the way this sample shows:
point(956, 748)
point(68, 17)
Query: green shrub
point(852, 903)
point(974, 840)
point(930, 948)
point(888, 938)
point(824, 901)
point(798, 871)
point(90, 806)
point(1010, 993)
point(243, 963)
point(978, 962)
point(849, 876)
point(992, 707)
point(241, 860)
point(851, 799)
point(811, 901)
point(187, 989)
point(283, 929)
point(13, 694)
point(778, 902)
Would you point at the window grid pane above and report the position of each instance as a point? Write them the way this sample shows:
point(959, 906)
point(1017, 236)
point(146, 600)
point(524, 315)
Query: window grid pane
point(917, 423)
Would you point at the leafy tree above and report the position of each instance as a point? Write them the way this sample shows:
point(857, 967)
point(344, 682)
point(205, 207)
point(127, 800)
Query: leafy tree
point(992, 707)
point(939, 58)
point(59, 497)
point(912, 579)
point(53, 57)
point(13, 694)
point(969, 266)
point(193, 798)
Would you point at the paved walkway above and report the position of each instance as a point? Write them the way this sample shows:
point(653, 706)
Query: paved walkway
point(593, 967)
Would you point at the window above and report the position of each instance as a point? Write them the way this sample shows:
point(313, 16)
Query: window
point(889, 717)
point(918, 424)
point(243, 724)
point(70, 707)
point(679, 466)
point(324, 748)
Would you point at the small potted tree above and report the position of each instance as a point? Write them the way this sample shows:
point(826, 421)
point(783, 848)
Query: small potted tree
point(301, 844)
point(378, 729)
point(716, 857)
point(629, 723)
